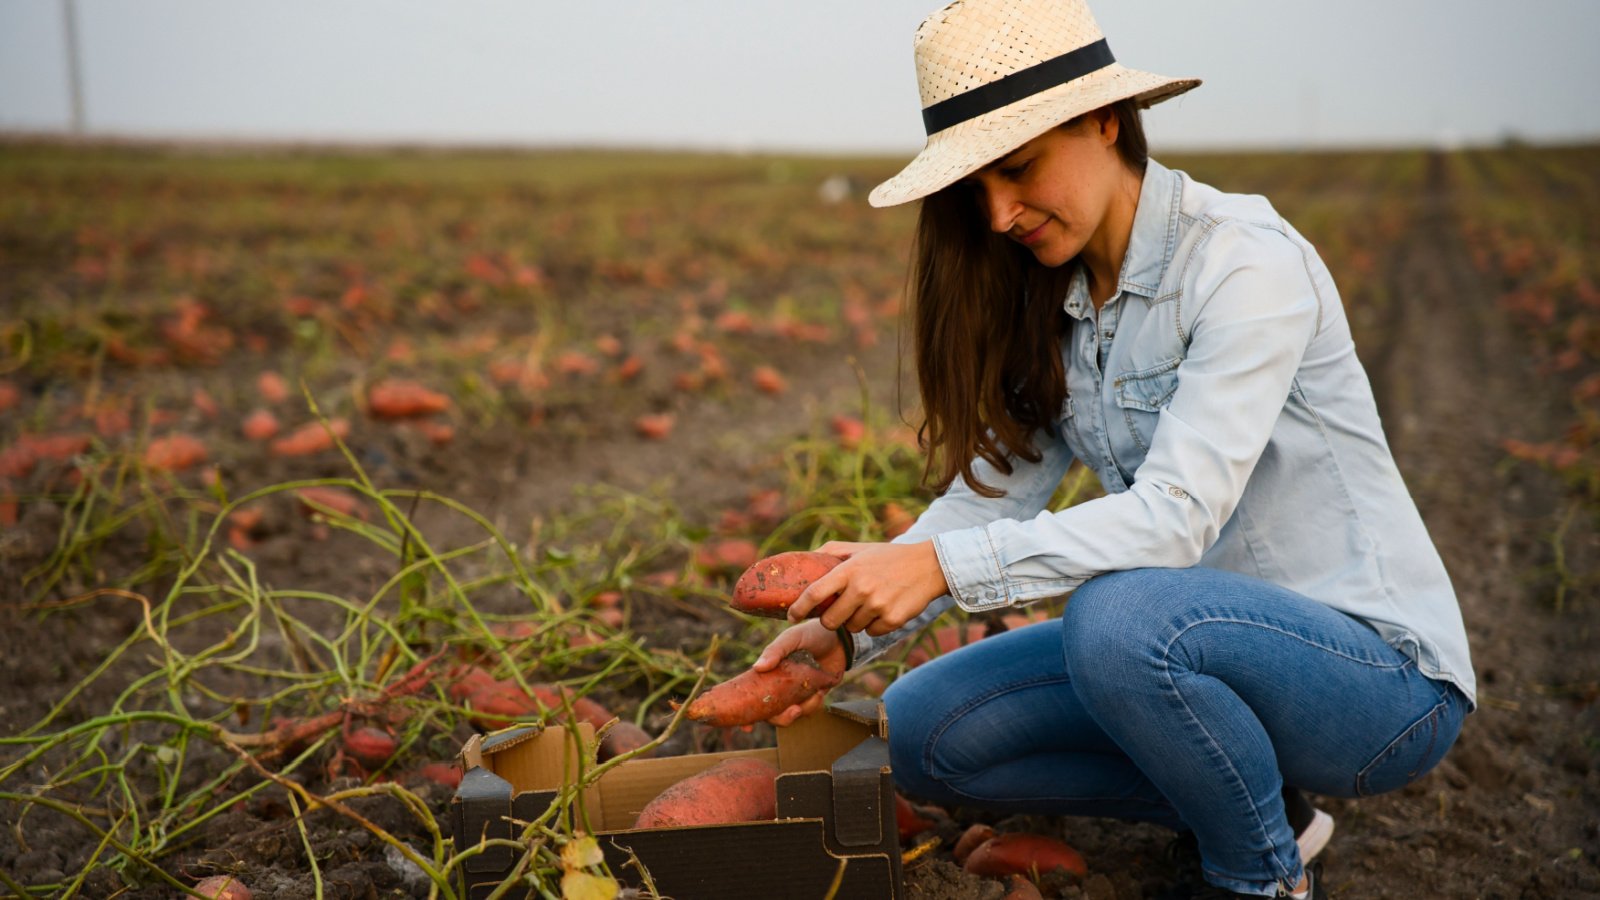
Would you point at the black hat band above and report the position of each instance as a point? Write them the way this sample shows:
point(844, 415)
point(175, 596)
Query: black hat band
point(1018, 85)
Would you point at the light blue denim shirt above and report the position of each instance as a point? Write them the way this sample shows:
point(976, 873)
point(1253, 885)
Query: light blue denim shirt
point(1218, 397)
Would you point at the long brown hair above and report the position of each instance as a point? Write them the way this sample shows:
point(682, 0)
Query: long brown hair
point(987, 324)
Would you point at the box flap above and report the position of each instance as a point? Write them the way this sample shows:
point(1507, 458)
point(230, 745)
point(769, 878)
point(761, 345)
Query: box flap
point(866, 711)
point(482, 803)
point(535, 759)
point(812, 743)
point(857, 780)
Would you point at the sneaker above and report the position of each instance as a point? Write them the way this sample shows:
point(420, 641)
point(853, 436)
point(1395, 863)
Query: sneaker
point(1313, 828)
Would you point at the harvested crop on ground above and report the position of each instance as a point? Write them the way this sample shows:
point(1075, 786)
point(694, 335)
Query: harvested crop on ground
point(1023, 854)
point(400, 398)
point(974, 837)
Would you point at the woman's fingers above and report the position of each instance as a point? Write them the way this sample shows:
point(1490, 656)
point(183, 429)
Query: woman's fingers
point(841, 549)
point(862, 619)
point(787, 717)
point(817, 591)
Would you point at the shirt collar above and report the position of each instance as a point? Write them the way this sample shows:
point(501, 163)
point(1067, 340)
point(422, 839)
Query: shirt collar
point(1150, 245)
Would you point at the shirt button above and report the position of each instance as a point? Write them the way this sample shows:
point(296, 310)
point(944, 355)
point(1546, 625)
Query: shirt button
point(1178, 492)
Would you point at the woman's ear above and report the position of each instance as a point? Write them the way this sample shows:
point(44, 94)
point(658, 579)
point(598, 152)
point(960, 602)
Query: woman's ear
point(1108, 124)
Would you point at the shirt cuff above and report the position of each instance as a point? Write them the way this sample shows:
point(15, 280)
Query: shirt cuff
point(972, 569)
point(858, 648)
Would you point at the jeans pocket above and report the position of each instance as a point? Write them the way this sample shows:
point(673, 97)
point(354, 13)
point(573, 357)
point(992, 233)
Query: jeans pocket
point(1415, 752)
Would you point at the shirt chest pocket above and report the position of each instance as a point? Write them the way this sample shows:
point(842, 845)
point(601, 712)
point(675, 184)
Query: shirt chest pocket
point(1141, 394)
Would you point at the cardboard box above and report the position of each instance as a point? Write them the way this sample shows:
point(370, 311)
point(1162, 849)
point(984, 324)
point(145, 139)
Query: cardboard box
point(835, 804)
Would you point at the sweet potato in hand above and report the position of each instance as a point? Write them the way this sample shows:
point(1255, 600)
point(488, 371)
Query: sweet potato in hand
point(769, 587)
point(757, 696)
point(742, 789)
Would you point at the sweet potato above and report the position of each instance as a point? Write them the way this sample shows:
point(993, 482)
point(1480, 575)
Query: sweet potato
point(1019, 854)
point(897, 520)
point(908, 821)
point(223, 887)
point(629, 369)
point(970, 840)
point(655, 426)
point(174, 453)
point(848, 429)
point(466, 679)
point(272, 387)
point(770, 586)
point(729, 555)
point(768, 381)
point(574, 363)
point(757, 696)
point(735, 790)
point(398, 398)
point(340, 501)
point(590, 711)
point(310, 438)
point(1020, 888)
point(622, 738)
point(260, 425)
point(370, 746)
point(444, 774)
point(498, 704)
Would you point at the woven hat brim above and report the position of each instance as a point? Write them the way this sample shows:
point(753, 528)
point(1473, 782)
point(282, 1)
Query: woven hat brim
point(960, 150)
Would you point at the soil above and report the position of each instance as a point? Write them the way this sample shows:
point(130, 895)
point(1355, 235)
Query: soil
point(1512, 812)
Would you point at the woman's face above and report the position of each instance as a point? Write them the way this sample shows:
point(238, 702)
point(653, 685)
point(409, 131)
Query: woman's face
point(1051, 194)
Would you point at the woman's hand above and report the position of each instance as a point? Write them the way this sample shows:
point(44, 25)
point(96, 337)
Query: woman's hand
point(824, 647)
point(879, 587)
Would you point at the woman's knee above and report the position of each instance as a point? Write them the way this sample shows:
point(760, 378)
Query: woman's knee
point(1113, 626)
point(935, 743)
point(1104, 609)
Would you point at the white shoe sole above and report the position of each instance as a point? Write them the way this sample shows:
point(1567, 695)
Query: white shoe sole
point(1316, 835)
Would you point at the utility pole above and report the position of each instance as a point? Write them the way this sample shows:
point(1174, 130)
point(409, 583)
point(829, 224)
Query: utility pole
point(69, 11)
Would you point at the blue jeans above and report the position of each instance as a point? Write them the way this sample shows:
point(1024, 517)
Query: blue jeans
point(1185, 697)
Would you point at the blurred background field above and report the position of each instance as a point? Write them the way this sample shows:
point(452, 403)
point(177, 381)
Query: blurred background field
point(574, 395)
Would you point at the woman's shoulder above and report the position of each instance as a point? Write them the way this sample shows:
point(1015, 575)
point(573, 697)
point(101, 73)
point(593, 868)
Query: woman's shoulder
point(1204, 207)
point(1224, 238)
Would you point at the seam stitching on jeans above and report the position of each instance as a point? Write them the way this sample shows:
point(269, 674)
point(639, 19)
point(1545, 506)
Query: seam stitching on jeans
point(1405, 660)
point(937, 733)
point(1233, 770)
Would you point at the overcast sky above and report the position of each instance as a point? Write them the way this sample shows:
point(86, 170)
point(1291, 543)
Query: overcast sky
point(759, 74)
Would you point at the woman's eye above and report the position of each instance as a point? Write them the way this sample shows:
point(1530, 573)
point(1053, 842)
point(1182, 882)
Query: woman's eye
point(1016, 171)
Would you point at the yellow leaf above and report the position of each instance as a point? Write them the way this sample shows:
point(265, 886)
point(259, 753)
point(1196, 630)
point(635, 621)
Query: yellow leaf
point(583, 886)
point(580, 853)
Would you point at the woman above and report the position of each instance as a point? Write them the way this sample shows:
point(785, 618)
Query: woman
point(1255, 602)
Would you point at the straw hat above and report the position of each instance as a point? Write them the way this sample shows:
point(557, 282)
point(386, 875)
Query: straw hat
point(995, 74)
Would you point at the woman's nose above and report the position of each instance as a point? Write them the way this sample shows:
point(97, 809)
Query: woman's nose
point(1001, 206)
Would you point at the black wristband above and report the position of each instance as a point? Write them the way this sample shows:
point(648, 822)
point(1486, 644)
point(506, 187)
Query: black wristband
point(849, 642)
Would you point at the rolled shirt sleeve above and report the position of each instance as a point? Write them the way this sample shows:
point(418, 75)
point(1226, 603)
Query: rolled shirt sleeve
point(1027, 491)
